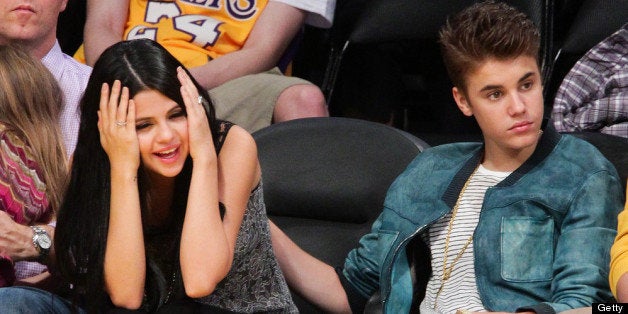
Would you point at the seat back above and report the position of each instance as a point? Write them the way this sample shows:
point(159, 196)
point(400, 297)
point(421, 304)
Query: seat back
point(334, 169)
point(325, 180)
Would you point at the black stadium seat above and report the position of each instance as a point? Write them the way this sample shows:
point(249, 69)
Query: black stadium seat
point(325, 179)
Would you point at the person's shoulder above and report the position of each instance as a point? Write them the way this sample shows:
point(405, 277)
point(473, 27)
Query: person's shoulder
point(444, 156)
point(75, 66)
point(8, 133)
point(452, 150)
point(12, 144)
point(580, 152)
point(238, 136)
point(320, 13)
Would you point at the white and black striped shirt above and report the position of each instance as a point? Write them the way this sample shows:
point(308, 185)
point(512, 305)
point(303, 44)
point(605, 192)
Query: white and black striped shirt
point(460, 291)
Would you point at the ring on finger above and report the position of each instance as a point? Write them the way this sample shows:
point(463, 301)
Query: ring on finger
point(200, 100)
point(120, 124)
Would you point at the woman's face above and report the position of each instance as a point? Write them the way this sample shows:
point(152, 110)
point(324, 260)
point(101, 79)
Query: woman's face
point(162, 132)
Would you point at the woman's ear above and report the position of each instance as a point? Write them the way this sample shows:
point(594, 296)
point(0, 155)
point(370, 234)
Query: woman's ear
point(462, 102)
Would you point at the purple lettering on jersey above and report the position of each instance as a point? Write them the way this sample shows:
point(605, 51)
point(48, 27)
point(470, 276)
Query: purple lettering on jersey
point(209, 4)
point(241, 12)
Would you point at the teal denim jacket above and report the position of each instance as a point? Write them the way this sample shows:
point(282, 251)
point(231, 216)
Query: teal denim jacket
point(542, 242)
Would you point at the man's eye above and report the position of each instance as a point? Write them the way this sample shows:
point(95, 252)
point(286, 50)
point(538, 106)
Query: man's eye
point(494, 95)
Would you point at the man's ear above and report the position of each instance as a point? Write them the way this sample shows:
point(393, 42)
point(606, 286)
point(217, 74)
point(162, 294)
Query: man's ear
point(462, 102)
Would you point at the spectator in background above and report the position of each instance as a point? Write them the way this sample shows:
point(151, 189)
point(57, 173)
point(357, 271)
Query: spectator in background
point(32, 25)
point(594, 94)
point(33, 167)
point(231, 50)
point(522, 222)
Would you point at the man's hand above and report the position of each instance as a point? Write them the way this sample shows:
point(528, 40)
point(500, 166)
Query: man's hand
point(16, 240)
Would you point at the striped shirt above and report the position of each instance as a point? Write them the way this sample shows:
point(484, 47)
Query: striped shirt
point(460, 291)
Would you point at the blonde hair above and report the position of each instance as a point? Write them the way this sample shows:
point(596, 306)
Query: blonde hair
point(30, 105)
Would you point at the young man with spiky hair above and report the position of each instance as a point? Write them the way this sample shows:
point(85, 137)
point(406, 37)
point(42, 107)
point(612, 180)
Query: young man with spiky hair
point(522, 222)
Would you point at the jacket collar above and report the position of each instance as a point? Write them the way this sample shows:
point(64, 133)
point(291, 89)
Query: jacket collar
point(549, 139)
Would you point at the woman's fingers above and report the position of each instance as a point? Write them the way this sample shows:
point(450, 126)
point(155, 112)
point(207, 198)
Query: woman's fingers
point(188, 90)
point(113, 101)
point(130, 118)
point(104, 99)
point(200, 137)
point(114, 105)
point(121, 112)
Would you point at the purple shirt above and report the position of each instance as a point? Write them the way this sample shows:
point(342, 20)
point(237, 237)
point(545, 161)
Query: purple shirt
point(72, 77)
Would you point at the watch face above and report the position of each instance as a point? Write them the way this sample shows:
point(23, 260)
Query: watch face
point(44, 241)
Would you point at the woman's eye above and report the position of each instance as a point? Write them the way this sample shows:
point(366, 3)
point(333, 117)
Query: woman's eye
point(177, 114)
point(141, 126)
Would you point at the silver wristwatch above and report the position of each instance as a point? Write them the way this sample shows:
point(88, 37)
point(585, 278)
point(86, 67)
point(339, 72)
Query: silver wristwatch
point(42, 242)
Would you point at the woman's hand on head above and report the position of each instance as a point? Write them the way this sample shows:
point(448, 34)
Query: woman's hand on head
point(199, 133)
point(116, 125)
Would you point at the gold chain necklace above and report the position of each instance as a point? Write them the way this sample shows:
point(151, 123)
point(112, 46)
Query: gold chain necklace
point(447, 270)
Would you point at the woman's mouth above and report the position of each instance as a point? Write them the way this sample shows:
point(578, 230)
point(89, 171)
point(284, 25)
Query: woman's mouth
point(168, 154)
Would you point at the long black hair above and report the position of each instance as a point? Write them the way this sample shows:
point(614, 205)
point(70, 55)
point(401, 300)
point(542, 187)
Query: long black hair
point(83, 220)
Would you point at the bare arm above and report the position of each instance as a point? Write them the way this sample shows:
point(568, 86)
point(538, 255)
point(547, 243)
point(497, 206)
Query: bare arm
point(104, 26)
point(622, 288)
point(125, 260)
point(207, 242)
point(316, 281)
point(269, 38)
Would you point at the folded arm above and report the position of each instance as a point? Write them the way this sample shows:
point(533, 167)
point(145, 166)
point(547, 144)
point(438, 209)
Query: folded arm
point(274, 30)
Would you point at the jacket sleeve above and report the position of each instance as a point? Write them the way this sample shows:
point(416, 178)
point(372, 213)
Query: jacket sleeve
point(362, 269)
point(582, 255)
point(360, 276)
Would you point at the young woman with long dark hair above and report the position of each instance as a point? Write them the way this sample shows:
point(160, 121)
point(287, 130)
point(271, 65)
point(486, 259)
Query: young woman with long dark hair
point(165, 202)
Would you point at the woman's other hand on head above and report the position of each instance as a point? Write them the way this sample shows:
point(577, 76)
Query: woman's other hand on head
point(116, 125)
point(199, 132)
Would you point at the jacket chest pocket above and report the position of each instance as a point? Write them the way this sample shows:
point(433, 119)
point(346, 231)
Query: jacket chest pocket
point(527, 248)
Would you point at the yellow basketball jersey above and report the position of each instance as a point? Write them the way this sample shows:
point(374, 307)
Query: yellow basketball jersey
point(194, 31)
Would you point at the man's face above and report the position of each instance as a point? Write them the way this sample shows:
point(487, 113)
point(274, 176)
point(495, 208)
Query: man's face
point(506, 98)
point(29, 21)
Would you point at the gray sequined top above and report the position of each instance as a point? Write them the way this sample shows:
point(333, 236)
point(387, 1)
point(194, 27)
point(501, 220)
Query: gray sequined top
point(255, 283)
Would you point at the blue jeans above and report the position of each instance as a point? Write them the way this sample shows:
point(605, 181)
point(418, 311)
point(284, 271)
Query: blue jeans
point(20, 299)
